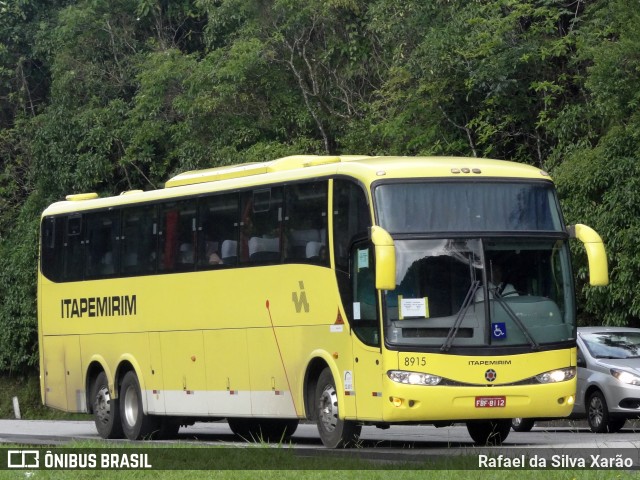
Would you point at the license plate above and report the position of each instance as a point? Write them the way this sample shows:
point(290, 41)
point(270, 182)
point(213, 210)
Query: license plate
point(491, 402)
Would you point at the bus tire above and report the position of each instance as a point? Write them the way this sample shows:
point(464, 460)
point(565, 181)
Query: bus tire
point(135, 424)
point(106, 411)
point(522, 424)
point(489, 432)
point(334, 432)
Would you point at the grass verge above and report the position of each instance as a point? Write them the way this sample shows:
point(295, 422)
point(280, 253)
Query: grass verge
point(27, 389)
point(266, 462)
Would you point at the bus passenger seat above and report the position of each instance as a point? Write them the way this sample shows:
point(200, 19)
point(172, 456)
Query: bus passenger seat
point(130, 261)
point(186, 254)
point(299, 240)
point(313, 251)
point(264, 249)
point(106, 264)
point(229, 252)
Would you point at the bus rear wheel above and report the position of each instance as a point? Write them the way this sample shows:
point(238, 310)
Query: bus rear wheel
point(334, 432)
point(135, 424)
point(106, 411)
point(489, 432)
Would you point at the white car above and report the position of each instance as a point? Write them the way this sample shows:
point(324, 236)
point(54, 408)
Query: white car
point(608, 391)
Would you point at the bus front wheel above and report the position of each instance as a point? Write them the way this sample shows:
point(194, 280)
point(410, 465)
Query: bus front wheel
point(522, 424)
point(135, 424)
point(489, 432)
point(334, 432)
point(106, 411)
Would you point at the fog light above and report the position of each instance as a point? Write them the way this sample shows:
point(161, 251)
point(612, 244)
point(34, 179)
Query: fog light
point(397, 402)
point(571, 400)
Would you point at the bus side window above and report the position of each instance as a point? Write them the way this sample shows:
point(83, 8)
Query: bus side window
point(355, 275)
point(364, 309)
point(306, 223)
point(351, 219)
point(261, 231)
point(102, 252)
point(177, 236)
point(218, 231)
point(51, 248)
point(139, 240)
point(73, 249)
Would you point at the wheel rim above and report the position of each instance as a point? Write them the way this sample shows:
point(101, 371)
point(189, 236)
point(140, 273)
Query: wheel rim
point(329, 408)
point(131, 405)
point(102, 406)
point(596, 411)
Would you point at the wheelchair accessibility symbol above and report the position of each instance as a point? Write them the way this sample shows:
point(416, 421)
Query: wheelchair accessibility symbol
point(499, 330)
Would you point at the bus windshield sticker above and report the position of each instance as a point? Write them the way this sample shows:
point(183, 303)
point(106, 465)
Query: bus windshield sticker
point(363, 259)
point(356, 310)
point(499, 330)
point(414, 308)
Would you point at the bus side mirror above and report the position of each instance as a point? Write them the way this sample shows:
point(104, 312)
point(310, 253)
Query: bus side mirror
point(385, 252)
point(596, 255)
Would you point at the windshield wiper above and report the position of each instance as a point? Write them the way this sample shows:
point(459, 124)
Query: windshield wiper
point(518, 322)
point(453, 331)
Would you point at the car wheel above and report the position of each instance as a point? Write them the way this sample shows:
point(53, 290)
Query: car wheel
point(598, 413)
point(522, 424)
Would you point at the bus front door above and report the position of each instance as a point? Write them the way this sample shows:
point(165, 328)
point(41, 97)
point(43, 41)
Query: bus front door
point(365, 322)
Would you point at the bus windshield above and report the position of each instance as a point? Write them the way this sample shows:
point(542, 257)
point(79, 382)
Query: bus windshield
point(466, 276)
point(466, 207)
point(479, 292)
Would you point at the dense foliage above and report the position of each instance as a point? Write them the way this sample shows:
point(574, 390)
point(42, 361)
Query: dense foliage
point(109, 95)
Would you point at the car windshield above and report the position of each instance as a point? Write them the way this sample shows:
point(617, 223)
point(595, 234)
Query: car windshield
point(613, 344)
point(480, 292)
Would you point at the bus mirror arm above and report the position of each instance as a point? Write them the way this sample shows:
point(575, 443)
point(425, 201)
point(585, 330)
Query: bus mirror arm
point(596, 254)
point(385, 252)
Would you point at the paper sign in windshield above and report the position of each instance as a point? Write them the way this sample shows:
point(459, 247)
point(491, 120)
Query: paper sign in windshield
point(414, 308)
point(363, 259)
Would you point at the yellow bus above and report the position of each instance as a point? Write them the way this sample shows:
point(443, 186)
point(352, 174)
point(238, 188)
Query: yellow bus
point(345, 290)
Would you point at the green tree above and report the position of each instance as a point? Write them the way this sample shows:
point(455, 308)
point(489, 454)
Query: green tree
point(597, 164)
point(106, 96)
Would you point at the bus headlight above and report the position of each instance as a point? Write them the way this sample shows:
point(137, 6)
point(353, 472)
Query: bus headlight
point(413, 378)
point(626, 377)
point(554, 376)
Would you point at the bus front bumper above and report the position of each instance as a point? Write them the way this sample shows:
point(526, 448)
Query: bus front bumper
point(408, 403)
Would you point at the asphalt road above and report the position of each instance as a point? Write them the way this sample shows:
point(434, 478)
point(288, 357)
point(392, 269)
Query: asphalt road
point(550, 435)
